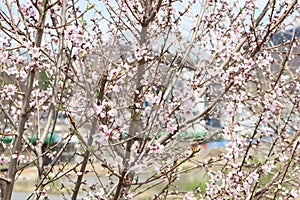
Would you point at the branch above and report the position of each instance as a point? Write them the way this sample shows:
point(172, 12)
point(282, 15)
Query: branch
point(151, 18)
point(243, 40)
point(5, 179)
point(17, 146)
point(164, 139)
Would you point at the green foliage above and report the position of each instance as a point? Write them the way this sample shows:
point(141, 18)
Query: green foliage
point(43, 80)
point(195, 184)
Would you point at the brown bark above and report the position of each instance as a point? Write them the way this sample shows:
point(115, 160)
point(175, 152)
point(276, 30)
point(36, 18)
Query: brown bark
point(17, 145)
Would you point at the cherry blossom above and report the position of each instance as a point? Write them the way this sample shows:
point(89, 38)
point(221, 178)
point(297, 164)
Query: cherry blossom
point(3, 159)
point(132, 86)
point(189, 196)
point(156, 149)
point(8, 91)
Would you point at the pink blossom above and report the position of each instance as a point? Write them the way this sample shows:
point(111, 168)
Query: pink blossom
point(44, 194)
point(34, 52)
point(8, 91)
point(76, 35)
point(282, 157)
point(3, 159)
point(189, 196)
point(100, 194)
point(4, 56)
point(156, 149)
point(267, 167)
point(51, 154)
point(28, 10)
point(171, 126)
point(12, 71)
point(295, 193)
point(135, 147)
point(253, 177)
point(118, 161)
point(14, 156)
point(99, 110)
point(116, 88)
point(129, 196)
point(105, 130)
